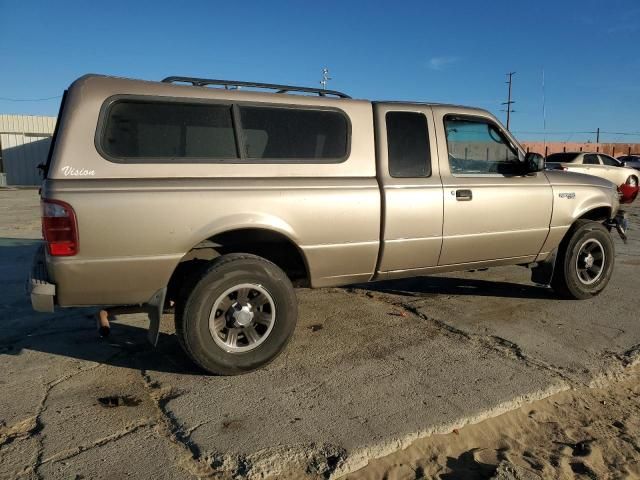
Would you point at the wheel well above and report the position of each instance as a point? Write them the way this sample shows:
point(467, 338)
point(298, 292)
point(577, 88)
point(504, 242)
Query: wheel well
point(597, 214)
point(543, 272)
point(273, 246)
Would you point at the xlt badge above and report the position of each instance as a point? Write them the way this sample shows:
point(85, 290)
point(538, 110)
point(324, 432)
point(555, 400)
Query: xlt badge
point(569, 195)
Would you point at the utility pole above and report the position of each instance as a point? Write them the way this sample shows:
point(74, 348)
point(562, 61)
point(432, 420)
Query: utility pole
point(509, 102)
point(598, 135)
point(325, 78)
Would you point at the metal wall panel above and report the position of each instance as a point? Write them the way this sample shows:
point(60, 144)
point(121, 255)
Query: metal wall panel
point(25, 141)
point(27, 124)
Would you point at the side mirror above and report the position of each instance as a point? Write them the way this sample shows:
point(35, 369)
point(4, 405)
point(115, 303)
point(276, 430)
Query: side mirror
point(533, 162)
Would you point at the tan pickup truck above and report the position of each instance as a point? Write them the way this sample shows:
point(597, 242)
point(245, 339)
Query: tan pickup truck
point(222, 196)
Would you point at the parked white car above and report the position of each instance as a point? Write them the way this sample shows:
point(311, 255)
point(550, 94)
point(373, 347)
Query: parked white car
point(598, 165)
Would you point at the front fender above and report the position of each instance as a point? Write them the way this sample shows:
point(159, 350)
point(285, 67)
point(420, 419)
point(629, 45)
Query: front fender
point(571, 202)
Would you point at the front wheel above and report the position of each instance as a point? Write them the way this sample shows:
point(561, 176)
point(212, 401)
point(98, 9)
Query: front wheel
point(585, 261)
point(239, 316)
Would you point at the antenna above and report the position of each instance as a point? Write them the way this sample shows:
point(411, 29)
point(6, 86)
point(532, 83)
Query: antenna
point(325, 78)
point(544, 113)
point(509, 102)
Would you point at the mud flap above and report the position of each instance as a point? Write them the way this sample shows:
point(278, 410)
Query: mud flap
point(154, 308)
point(620, 223)
point(542, 273)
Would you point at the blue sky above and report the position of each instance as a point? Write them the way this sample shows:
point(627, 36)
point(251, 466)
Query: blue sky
point(457, 51)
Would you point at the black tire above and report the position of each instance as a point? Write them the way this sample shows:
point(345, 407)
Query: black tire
point(569, 275)
point(225, 272)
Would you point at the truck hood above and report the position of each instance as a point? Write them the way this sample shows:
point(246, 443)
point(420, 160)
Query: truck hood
point(564, 178)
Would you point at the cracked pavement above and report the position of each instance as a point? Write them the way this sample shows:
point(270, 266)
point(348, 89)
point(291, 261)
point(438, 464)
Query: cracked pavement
point(370, 369)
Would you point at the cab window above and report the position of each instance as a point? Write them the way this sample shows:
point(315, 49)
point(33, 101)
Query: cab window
point(478, 147)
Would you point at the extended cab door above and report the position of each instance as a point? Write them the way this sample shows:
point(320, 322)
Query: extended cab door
point(492, 211)
point(409, 177)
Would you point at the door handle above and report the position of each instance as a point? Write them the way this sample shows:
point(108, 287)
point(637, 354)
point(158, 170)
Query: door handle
point(463, 195)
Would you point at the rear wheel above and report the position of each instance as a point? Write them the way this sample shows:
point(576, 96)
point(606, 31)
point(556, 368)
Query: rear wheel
point(239, 315)
point(585, 261)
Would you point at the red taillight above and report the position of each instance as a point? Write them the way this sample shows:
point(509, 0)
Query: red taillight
point(59, 228)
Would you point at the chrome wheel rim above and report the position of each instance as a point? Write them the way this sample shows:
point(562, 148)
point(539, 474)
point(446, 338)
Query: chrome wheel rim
point(242, 318)
point(590, 261)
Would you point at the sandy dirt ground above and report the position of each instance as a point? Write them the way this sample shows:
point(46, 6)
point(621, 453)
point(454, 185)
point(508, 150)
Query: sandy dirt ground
point(581, 433)
point(374, 384)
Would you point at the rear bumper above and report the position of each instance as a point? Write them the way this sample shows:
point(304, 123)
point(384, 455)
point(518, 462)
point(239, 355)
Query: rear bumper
point(41, 291)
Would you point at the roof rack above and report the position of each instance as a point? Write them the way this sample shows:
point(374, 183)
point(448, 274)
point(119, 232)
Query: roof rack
point(203, 82)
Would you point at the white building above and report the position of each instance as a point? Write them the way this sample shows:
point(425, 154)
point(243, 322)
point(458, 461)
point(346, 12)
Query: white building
point(24, 144)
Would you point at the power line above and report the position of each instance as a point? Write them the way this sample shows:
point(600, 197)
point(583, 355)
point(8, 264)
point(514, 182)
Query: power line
point(7, 99)
point(547, 131)
point(620, 133)
point(592, 132)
